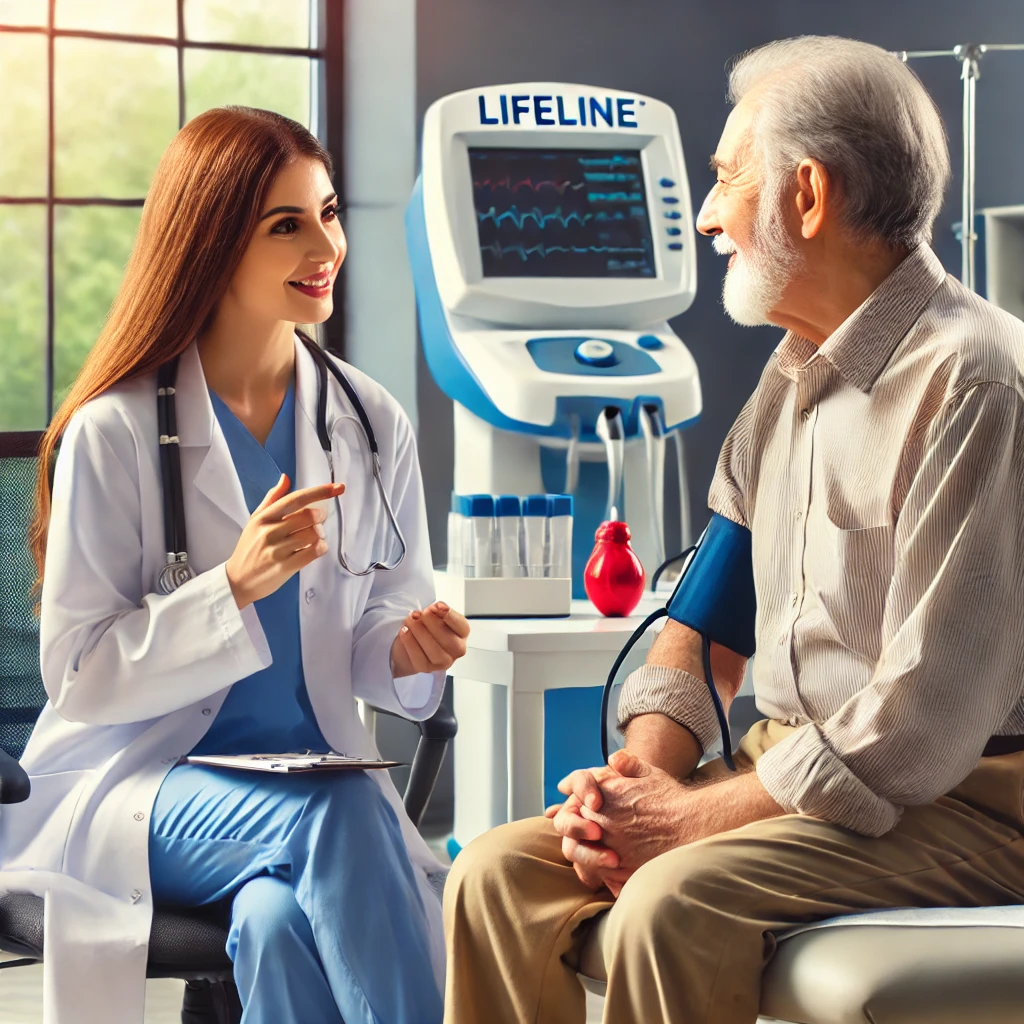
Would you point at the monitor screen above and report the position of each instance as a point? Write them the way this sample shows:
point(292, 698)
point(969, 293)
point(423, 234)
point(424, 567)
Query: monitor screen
point(561, 213)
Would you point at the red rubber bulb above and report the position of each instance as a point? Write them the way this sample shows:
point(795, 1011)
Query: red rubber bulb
point(614, 578)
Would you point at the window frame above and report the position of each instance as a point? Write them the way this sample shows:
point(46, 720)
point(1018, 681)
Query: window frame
point(326, 114)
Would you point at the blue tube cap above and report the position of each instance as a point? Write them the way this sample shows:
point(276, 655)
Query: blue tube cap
point(535, 505)
point(559, 504)
point(507, 505)
point(475, 505)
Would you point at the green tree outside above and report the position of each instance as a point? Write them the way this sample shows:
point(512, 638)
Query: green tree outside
point(115, 112)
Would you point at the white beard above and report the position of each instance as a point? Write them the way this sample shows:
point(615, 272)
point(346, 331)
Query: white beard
point(754, 284)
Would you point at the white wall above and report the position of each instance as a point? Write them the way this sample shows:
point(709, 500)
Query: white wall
point(380, 167)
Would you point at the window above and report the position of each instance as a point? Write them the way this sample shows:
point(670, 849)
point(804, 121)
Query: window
point(93, 92)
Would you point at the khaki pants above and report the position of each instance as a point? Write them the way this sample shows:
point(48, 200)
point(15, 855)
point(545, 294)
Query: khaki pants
point(692, 930)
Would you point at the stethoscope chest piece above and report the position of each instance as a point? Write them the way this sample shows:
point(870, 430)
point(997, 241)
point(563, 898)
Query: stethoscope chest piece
point(173, 575)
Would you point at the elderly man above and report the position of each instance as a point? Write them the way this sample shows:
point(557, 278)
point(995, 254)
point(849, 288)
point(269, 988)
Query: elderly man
point(879, 467)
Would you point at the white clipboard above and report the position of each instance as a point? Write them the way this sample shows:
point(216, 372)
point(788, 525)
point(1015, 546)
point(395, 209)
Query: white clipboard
point(291, 763)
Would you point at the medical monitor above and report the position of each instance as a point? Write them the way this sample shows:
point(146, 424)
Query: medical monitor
point(561, 212)
point(552, 205)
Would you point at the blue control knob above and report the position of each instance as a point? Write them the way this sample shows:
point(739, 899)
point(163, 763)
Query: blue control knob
point(596, 353)
point(667, 183)
point(651, 342)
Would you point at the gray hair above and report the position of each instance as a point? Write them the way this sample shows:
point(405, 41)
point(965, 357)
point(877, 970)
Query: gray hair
point(864, 115)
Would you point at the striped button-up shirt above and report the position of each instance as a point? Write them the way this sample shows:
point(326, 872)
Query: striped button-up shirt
point(882, 478)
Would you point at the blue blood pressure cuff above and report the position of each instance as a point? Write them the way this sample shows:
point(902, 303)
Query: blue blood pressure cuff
point(715, 598)
point(715, 594)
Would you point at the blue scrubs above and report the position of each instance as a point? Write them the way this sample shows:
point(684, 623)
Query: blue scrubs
point(327, 922)
point(268, 711)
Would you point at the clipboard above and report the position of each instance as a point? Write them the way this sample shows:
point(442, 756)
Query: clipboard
point(291, 763)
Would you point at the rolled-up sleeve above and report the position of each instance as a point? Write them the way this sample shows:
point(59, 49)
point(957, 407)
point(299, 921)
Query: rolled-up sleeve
point(952, 662)
point(660, 689)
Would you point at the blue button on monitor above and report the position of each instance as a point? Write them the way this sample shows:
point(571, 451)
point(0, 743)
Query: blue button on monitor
point(673, 215)
point(581, 356)
point(651, 342)
point(675, 245)
point(667, 183)
point(674, 231)
point(669, 199)
point(595, 353)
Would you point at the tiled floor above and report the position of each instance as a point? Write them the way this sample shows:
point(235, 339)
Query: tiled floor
point(21, 998)
point(21, 990)
point(21, 993)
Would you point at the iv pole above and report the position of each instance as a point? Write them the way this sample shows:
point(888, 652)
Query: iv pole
point(969, 55)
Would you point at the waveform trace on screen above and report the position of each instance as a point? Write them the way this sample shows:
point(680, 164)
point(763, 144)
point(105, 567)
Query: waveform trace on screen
point(561, 213)
point(547, 250)
point(537, 215)
point(506, 182)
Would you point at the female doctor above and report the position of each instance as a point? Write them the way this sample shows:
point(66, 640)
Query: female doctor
point(263, 650)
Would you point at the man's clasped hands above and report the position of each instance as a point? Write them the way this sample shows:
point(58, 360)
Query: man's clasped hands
point(619, 816)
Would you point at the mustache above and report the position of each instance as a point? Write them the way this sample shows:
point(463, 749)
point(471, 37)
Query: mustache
point(723, 244)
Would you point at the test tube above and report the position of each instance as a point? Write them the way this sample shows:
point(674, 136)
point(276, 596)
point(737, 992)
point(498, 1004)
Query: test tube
point(560, 535)
point(455, 524)
point(477, 535)
point(535, 521)
point(506, 518)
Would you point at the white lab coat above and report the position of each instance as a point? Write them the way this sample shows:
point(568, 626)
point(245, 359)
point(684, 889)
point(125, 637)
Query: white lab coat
point(135, 678)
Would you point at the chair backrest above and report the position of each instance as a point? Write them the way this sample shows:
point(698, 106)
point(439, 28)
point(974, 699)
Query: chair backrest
point(21, 686)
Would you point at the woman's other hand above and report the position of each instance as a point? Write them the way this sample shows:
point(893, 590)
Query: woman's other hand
point(431, 640)
point(282, 535)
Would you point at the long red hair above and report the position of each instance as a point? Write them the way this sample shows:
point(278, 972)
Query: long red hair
point(199, 216)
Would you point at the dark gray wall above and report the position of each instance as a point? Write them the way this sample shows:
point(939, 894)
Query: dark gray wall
point(677, 52)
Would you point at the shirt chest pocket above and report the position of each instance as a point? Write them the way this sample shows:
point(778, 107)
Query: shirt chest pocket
point(850, 571)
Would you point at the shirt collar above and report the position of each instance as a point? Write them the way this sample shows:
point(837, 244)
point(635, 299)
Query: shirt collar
point(862, 345)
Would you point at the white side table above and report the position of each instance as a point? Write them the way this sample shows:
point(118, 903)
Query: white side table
point(499, 702)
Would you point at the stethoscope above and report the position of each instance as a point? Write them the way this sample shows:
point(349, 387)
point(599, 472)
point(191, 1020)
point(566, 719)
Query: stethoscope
point(177, 569)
